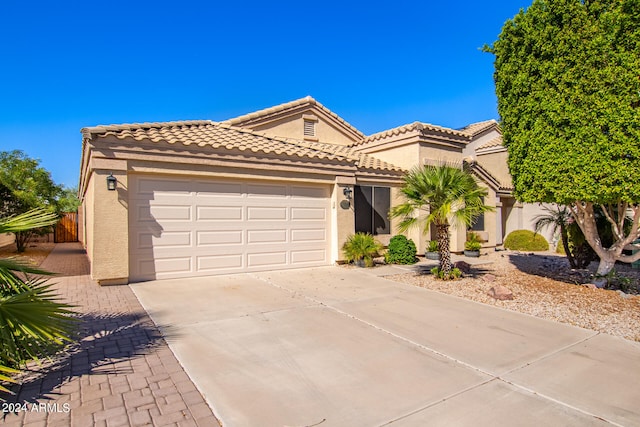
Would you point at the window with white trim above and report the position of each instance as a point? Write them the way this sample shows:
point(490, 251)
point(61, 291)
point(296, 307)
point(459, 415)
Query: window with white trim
point(371, 206)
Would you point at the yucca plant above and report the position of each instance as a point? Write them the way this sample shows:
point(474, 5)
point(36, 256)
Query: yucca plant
point(33, 321)
point(361, 246)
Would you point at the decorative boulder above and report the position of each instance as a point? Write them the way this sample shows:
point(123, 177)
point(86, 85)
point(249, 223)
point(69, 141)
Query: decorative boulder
point(500, 292)
point(463, 266)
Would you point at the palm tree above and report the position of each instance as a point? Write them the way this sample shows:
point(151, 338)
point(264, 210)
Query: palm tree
point(440, 195)
point(558, 219)
point(33, 322)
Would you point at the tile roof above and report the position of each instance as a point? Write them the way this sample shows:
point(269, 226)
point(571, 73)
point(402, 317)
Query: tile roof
point(408, 128)
point(306, 101)
point(495, 142)
point(475, 128)
point(224, 136)
point(466, 133)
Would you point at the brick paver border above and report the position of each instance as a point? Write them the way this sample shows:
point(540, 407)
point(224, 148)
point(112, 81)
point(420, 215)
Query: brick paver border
point(119, 372)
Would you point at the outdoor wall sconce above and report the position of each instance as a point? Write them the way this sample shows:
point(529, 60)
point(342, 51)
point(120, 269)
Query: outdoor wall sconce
point(347, 191)
point(111, 182)
point(346, 204)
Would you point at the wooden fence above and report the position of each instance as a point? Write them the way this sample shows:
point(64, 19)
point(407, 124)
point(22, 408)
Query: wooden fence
point(67, 228)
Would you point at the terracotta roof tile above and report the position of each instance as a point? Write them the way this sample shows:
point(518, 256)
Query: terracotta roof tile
point(227, 137)
point(475, 128)
point(495, 142)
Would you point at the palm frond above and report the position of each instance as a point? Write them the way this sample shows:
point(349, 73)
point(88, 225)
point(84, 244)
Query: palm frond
point(34, 218)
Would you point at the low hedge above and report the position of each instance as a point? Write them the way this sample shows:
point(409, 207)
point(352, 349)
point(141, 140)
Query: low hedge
point(526, 240)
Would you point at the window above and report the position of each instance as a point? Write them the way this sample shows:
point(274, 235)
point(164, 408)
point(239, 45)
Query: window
point(372, 206)
point(309, 128)
point(478, 223)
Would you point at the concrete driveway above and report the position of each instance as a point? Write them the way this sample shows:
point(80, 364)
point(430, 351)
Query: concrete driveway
point(342, 347)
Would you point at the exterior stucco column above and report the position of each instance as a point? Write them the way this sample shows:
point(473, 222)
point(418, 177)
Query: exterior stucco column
point(343, 215)
point(110, 226)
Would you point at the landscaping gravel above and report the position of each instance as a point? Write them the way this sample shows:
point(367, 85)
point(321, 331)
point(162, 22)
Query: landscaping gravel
point(544, 286)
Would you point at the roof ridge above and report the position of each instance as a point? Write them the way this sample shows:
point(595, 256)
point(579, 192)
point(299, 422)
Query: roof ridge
point(473, 129)
point(145, 125)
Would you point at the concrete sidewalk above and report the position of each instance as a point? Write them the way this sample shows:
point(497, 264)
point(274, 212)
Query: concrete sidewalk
point(120, 372)
point(341, 347)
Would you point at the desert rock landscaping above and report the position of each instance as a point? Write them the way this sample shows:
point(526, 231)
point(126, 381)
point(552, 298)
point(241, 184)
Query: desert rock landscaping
point(544, 286)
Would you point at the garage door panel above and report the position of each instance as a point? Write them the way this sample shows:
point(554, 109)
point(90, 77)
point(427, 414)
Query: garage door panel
point(217, 238)
point(169, 213)
point(262, 259)
point(266, 190)
point(299, 192)
point(308, 235)
point(304, 214)
point(309, 256)
point(172, 239)
point(219, 213)
point(267, 236)
point(258, 213)
point(186, 227)
point(216, 263)
point(205, 190)
point(159, 187)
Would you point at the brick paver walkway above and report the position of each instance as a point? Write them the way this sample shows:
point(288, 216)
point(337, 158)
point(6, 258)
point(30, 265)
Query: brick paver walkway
point(120, 372)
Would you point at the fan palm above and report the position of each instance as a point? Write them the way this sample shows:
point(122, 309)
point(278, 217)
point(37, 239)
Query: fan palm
point(558, 219)
point(441, 195)
point(33, 321)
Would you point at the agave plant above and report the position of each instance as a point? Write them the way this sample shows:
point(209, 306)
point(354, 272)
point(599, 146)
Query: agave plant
point(33, 321)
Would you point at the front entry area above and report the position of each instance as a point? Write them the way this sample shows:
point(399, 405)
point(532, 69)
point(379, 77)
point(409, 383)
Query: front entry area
point(187, 227)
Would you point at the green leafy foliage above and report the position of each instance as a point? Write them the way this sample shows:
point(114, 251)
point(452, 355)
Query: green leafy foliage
point(526, 240)
point(454, 274)
point(361, 246)
point(26, 185)
point(433, 246)
point(566, 74)
point(443, 195)
point(401, 251)
point(473, 242)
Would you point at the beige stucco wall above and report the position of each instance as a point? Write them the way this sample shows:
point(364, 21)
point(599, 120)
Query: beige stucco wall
point(404, 156)
point(108, 228)
point(496, 164)
point(293, 127)
point(439, 153)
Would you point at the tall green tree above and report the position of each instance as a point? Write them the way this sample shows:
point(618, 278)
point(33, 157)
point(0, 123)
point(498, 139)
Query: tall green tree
point(30, 186)
point(567, 75)
point(441, 195)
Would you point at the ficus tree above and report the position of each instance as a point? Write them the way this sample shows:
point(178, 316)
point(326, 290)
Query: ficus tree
point(567, 75)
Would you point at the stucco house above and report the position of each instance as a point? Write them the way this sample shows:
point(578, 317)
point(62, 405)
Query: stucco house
point(278, 188)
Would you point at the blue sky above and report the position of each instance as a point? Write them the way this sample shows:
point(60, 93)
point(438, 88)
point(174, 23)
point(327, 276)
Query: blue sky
point(70, 64)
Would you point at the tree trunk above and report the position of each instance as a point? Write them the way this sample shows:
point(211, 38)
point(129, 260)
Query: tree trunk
point(565, 244)
point(442, 231)
point(604, 268)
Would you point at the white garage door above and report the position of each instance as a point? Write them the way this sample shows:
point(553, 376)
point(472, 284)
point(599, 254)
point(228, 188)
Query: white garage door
point(196, 227)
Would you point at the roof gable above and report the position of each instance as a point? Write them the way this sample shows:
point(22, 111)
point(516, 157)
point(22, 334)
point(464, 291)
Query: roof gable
point(287, 120)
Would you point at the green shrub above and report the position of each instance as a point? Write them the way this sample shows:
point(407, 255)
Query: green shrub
point(433, 246)
point(455, 273)
point(401, 251)
point(361, 246)
point(472, 243)
point(526, 240)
